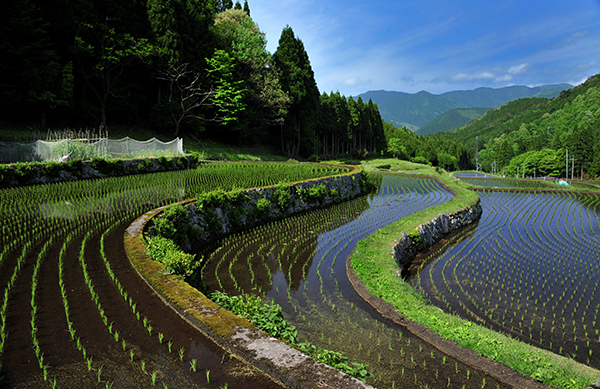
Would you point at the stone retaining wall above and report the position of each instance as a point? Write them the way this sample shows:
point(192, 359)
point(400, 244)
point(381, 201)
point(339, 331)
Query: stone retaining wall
point(22, 174)
point(208, 223)
point(426, 235)
point(282, 362)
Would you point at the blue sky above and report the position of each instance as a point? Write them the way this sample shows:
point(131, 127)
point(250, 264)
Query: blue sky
point(438, 45)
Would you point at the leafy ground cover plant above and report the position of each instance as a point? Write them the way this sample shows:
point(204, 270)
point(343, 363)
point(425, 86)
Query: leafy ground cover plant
point(269, 318)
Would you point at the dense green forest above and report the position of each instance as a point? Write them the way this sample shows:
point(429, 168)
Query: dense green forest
point(454, 118)
point(430, 149)
point(535, 133)
point(196, 67)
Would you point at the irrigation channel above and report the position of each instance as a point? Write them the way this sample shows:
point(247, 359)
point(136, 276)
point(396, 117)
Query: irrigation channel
point(531, 269)
point(299, 263)
point(75, 314)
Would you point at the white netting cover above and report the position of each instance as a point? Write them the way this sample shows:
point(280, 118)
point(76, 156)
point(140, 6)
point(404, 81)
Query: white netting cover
point(43, 151)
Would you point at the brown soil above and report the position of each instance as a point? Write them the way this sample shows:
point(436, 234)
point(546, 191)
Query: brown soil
point(109, 363)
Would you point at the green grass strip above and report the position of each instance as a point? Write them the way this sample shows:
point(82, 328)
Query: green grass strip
point(375, 265)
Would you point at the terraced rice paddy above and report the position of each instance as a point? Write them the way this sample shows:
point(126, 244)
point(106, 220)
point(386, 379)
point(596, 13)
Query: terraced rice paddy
point(530, 269)
point(73, 312)
point(508, 183)
point(300, 264)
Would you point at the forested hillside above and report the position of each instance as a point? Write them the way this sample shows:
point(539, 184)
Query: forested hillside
point(454, 118)
point(175, 66)
point(537, 132)
point(489, 97)
point(414, 110)
point(410, 110)
point(432, 149)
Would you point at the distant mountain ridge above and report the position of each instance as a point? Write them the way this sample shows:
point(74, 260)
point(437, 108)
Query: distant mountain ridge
point(417, 109)
point(494, 98)
point(454, 118)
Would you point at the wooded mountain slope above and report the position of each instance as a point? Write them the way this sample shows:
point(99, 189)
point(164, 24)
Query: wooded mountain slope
point(538, 131)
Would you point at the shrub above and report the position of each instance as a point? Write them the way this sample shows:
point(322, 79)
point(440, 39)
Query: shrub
point(365, 185)
point(24, 171)
point(149, 164)
point(237, 196)
point(317, 193)
point(333, 193)
point(176, 261)
point(162, 161)
point(116, 166)
point(262, 207)
point(108, 166)
point(301, 193)
point(6, 174)
point(235, 216)
point(420, 159)
point(174, 224)
point(74, 165)
point(100, 165)
point(415, 237)
point(212, 220)
point(51, 169)
point(282, 197)
point(211, 199)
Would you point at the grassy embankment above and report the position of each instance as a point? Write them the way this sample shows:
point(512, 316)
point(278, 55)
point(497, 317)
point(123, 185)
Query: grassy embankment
point(373, 262)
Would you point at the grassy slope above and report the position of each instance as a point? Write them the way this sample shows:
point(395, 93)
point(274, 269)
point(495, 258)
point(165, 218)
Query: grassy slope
point(374, 264)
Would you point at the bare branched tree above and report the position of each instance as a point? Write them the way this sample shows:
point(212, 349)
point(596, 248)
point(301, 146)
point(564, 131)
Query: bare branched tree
point(186, 93)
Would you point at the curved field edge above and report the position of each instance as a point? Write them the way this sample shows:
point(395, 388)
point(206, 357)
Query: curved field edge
point(373, 263)
point(274, 358)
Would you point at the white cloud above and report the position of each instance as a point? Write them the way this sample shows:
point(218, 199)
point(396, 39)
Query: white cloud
point(514, 70)
point(472, 77)
point(504, 78)
point(496, 74)
point(356, 81)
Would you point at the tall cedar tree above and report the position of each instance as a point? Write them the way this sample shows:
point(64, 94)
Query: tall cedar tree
point(298, 81)
point(265, 101)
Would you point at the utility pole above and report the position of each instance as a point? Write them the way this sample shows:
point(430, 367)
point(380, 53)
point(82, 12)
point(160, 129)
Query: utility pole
point(534, 172)
point(477, 152)
point(523, 169)
point(567, 164)
point(572, 167)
